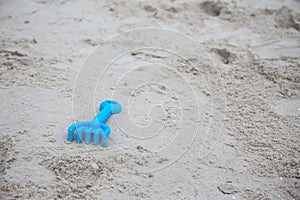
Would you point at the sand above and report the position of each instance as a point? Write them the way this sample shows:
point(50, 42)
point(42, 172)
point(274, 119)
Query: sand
point(210, 92)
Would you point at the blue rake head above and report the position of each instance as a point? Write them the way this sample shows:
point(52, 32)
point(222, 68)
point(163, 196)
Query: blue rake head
point(95, 129)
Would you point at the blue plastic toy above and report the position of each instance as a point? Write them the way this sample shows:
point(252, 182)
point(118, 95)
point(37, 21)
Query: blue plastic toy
point(92, 130)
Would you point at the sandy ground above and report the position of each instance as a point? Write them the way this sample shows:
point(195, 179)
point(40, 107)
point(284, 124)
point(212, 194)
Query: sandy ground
point(211, 103)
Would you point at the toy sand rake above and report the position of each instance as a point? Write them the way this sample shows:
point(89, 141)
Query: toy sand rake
point(88, 131)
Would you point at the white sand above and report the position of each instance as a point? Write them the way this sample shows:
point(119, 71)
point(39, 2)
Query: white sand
point(210, 99)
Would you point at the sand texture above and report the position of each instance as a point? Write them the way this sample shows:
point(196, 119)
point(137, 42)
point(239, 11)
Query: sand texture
point(210, 92)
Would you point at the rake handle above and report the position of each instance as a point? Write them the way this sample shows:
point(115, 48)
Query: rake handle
point(107, 108)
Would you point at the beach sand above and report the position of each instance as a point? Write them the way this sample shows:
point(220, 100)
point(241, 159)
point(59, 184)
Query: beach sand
point(210, 92)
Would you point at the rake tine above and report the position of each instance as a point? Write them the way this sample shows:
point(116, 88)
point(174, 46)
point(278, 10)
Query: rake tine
point(79, 134)
point(88, 135)
point(96, 136)
point(104, 133)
